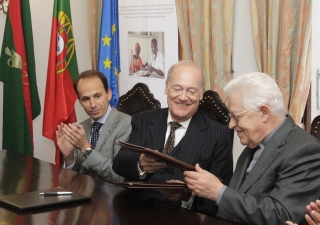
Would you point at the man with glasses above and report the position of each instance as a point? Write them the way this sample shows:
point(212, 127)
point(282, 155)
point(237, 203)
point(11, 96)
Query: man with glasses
point(277, 174)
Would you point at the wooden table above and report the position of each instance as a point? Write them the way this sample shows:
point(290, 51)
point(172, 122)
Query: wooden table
point(109, 204)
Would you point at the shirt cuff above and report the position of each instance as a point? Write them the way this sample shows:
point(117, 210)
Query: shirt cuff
point(220, 194)
point(188, 204)
point(142, 174)
point(74, 161)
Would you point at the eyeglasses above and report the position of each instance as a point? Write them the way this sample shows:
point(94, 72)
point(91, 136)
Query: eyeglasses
point(236, 116)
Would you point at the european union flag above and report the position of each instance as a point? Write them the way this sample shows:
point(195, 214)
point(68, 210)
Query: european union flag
point(109, 59)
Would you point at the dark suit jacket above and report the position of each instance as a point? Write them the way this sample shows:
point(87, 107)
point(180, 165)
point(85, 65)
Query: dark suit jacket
point(99, 163)
point(206, 142)
point(283, 181)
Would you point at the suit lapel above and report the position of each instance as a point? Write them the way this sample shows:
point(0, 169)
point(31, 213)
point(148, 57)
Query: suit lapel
point(262, 164)
point(239, 174)
point(156, 130)
point(107, 129)
point(87, 127)
point(195, 131)
point(268, 155)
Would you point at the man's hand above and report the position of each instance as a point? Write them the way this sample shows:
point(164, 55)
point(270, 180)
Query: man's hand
point(76, 135)
point(64, 145)
point(314, 213)
point(290, 223)
point(203, 183)
point(149, 164)
point(313, 218)
point(176, 194)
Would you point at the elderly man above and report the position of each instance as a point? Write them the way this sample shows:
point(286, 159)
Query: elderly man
point(91, 146)
point(277, 174)
point(198, 139)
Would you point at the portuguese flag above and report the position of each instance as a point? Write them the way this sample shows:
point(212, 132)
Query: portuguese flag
point(21, 102)
point(62, 70)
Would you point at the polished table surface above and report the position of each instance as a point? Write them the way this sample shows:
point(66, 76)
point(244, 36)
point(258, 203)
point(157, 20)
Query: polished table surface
point(109, 204)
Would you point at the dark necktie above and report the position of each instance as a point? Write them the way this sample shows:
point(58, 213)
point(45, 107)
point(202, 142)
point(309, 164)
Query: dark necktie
point(96, 126)
point(257, 153)
point(171, 138)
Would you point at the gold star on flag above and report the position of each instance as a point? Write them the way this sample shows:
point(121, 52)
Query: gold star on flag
point(107, 63)
point(113, 28)
point(106, 40)
point(116, 71)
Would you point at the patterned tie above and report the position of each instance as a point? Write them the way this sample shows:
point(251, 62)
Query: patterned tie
point(171, 138)
point(96, 126)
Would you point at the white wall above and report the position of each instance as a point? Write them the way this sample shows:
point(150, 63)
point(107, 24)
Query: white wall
point(41, 11)
point(242, 55)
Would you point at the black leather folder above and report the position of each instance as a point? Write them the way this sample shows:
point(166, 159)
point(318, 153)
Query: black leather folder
point(159, 156)
point(33, 200)
point(150, 185)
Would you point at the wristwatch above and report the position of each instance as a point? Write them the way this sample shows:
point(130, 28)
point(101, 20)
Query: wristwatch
point(87, 152)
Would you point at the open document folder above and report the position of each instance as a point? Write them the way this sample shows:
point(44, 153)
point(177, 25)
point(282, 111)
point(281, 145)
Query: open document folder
point(159, 156)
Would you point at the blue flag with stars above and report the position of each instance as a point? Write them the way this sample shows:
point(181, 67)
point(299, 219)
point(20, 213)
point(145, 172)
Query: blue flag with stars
point(109, 54)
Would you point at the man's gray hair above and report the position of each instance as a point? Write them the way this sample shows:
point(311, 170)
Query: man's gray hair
point(256, 89)
point(203, 79)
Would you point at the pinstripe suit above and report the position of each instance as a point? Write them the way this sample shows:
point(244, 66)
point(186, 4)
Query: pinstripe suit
point(206, 142)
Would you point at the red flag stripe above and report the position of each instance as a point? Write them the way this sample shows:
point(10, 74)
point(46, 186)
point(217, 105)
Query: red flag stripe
point(18, 38)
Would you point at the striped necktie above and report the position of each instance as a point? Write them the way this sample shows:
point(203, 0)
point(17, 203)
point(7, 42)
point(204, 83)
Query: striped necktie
point(171, 138)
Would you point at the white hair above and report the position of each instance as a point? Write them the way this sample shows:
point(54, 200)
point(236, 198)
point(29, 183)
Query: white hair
point(256, 89)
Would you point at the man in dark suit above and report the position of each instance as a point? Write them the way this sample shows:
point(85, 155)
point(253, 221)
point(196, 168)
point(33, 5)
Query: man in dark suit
point(198, 139)
point(277, 174)
point(84, 148)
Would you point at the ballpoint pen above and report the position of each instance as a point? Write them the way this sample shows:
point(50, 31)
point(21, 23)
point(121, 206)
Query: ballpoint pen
point(56, 193)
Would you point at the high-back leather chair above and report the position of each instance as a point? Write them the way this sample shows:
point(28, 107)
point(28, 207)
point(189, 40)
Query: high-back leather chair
point(315, 127)
point(138, 99)
point(212, 105)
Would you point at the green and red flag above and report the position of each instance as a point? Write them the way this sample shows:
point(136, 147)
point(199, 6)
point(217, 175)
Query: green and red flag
point(62, 71)
point(21, 102)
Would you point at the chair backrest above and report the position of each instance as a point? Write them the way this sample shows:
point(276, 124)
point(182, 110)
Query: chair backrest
point(315, 127)
point(138, 99)
point(212, 105)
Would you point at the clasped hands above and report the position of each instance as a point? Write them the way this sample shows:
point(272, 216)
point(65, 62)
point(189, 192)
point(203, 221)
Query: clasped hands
point(69, 137)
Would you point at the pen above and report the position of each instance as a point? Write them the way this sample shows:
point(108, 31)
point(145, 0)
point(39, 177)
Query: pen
point(56, 193)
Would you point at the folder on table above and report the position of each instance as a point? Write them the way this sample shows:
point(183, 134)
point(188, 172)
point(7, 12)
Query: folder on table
point(33, 200)
point(150, 185)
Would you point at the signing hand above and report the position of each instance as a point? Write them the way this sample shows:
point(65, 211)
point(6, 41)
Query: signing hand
point(203, 183)
point(149, 164)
